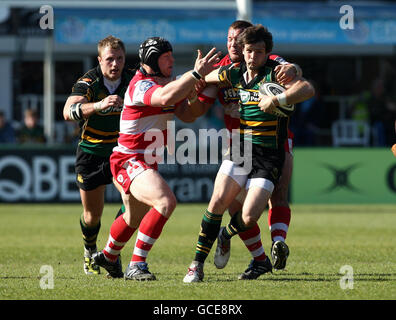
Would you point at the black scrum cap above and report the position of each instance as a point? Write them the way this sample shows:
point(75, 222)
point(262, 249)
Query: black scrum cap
point(151, 49)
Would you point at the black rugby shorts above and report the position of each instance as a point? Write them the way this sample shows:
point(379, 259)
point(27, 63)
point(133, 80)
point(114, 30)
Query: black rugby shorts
point(266, 162)
point(91, 170)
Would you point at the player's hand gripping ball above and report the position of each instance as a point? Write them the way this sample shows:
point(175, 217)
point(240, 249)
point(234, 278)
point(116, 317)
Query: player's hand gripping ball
point(272, 89)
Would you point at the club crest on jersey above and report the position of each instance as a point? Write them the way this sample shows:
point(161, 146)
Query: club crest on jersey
point(145, 85)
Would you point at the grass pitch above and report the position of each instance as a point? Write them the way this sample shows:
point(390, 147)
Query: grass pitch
point(322, 239)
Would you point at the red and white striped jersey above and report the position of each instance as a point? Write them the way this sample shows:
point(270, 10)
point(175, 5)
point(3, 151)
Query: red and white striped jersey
point(139, 117)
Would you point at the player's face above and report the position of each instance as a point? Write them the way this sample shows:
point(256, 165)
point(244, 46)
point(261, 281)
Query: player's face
point(234, 50)
point(111, 62)
point(165, 63)
point(255, 55)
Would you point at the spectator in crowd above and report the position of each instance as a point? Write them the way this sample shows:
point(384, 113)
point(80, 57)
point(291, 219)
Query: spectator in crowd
point(31, 131)
point(7, 133)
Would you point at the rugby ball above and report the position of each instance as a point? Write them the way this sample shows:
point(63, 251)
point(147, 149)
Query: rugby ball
point(272, 89)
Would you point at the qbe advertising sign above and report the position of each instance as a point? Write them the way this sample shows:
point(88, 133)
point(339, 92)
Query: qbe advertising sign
point(37, 175)
point(47, 175)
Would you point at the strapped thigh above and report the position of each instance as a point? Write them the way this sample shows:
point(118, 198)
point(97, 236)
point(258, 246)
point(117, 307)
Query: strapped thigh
point(262, 183)
point(237, 173)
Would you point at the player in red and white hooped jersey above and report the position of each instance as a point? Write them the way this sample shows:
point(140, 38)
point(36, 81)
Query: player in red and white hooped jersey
point(279, 212)
point(151, 100)
point(137, 119)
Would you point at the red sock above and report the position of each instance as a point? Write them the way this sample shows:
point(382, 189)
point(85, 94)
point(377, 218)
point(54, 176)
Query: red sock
point(278, 222)
point(119, 235)
point(149, 231)
point(252, 240)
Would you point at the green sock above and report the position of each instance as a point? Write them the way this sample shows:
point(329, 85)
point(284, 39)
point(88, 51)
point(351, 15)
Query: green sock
point(90, 234)
point(235, 226)
point(210, 227)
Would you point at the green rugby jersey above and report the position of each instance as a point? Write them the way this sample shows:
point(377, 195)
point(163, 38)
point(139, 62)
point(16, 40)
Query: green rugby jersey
point(256, 126)
point(99, 133)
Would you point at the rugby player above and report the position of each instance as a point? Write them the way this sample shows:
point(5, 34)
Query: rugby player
point(151, 100)
point(95, 103)
point(266, 132)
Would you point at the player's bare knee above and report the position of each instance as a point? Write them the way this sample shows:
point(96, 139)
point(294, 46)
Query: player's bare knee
point(218, 204)
point(91, 218)
point(166, 205)
point(249, 221)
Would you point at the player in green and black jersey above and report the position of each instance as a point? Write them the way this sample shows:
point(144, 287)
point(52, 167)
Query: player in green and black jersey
point(260, 128)
point(96, 103)
point(264, 132)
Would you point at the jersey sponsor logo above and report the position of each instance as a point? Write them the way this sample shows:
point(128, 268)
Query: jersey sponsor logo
point(116, 109)
point(249, 96)
point(230, 94)
point(245, 96)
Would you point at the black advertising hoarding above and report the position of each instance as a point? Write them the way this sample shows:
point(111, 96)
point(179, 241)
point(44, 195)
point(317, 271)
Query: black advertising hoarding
point(22, 22)
point(42, 174)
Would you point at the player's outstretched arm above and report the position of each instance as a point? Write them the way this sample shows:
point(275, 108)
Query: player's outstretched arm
point(179, 89)
point(213, 77)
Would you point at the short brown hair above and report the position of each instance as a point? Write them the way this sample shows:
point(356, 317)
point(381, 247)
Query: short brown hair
point(240, 24)
point(256, 33)
point(112, 42)
point(31, 113)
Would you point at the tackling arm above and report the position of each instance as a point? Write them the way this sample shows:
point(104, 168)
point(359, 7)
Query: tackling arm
point(179, 89)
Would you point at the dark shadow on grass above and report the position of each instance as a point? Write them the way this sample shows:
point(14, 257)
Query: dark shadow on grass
point(34, 277)
point(19, 277)
point(305, 276)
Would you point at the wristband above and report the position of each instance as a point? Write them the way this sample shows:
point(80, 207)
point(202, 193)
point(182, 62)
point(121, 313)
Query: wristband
point(281, 99)
point(196, 75)
point(75, 112)
point(98, 105)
